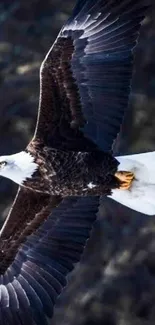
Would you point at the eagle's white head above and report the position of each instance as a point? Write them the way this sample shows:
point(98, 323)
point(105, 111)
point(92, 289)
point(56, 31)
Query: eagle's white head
point(17, 167)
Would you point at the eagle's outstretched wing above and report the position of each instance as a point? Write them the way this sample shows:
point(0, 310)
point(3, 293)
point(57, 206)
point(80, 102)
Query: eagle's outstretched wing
point(36, 274)
point(86, 75)
point(29, 210)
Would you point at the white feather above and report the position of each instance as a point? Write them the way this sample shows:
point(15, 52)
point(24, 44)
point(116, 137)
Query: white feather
point(91, 185)
point(141, 195)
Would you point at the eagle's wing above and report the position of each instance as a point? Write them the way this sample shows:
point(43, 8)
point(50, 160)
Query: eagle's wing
point(36, 274)
point(86, 75)
point(28, 212)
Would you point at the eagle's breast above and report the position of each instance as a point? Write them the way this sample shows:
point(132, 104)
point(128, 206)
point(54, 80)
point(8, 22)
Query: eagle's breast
point(73, 173)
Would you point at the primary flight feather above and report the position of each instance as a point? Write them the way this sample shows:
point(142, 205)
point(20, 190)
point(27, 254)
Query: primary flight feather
point(84, 91)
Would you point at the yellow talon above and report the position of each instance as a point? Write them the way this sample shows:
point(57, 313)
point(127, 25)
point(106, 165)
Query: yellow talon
point(125, 178)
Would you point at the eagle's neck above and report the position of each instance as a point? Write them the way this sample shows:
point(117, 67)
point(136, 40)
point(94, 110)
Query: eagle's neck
point(27, 165)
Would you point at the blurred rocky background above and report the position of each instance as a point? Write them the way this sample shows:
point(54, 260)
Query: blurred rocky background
point(115, 282)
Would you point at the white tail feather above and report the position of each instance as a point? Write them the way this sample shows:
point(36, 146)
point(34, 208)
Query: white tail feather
point(141, 195)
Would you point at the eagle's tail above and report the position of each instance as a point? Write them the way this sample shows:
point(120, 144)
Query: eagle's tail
point(141, 194)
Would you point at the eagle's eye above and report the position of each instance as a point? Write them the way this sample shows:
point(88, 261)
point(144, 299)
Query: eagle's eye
point(3, 164)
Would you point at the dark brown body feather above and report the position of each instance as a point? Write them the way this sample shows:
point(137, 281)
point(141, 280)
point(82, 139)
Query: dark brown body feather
point(68, 173)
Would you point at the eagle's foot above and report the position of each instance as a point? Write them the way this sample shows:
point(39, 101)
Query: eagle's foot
point(125, 179)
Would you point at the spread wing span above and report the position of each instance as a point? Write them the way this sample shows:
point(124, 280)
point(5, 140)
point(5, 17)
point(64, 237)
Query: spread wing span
point(86, 75)
point(85, 85)
point(36, 274)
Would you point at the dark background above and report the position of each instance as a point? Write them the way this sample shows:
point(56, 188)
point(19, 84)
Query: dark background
point(115, 283)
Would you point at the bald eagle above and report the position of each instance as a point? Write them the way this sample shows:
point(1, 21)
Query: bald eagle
point(85, 83)
point(84, 90)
